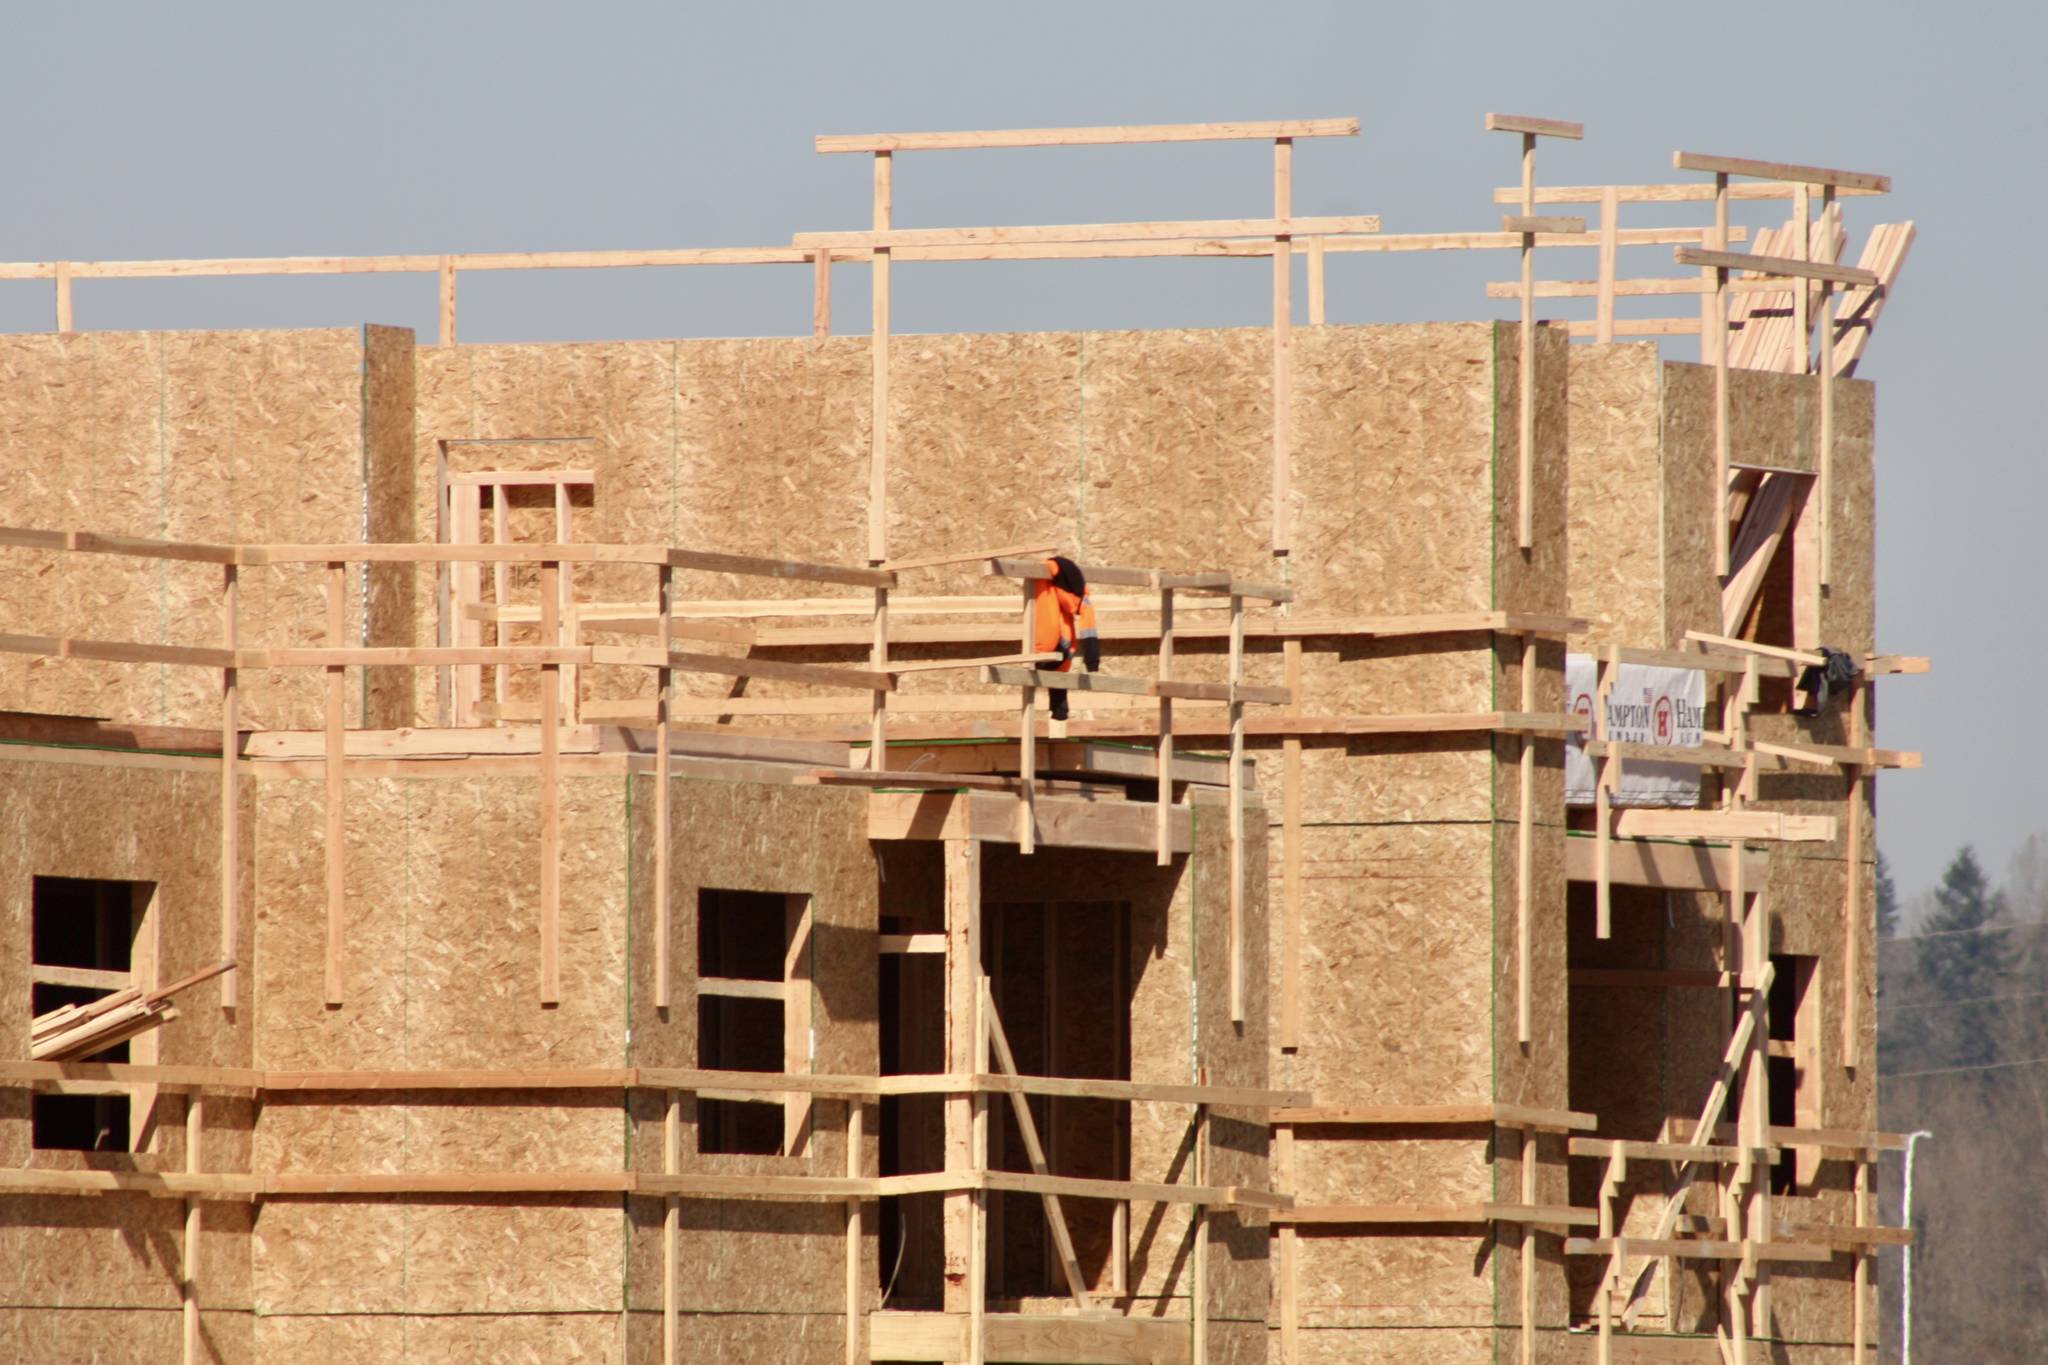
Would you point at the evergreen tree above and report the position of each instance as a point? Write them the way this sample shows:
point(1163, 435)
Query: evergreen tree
point(1963, 960)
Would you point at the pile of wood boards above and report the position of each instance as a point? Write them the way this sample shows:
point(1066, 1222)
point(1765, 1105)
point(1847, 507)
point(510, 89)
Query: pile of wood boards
point(76, 1032)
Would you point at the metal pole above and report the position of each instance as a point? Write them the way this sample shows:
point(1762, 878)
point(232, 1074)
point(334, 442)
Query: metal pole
point(1906, 1275)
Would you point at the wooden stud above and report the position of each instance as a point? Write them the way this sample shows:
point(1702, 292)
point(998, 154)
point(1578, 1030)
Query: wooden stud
point(1605, 781)
point(1165, 747)
point(1859, 1332)
point(878, 403)
point(1087, 137)
point(1852, 909)
point(671, 1230)
point(1198, 1297)
point(878, 704)
point(63, 277)
point(1525, 855)
point(550, 791)
point(1824, 485)
point(1027, 736)
point(664, 699)
point(1283, 348)
point(446, 270)
point(1525, 506)
point(856, 1314)
point(1610, 229)
point(570, 629)
point(977, 1264)
point(230, 803)
point(821, 294)
point(1800, 359)
point(336, 751)
point(1236, 811)
point(1719, 275)
point(188, 1277)
point(501, 582)
point(963, 993)
point(1291, 862)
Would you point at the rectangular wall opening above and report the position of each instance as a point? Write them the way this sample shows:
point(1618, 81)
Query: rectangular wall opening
point(88, 939)
point(753, 1014)
point(1792, 1068)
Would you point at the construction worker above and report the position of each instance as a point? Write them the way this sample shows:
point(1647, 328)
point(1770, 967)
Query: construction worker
point(1063, 620)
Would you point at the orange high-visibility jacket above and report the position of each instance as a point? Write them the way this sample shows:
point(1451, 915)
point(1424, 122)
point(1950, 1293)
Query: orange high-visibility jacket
point(1062, 621)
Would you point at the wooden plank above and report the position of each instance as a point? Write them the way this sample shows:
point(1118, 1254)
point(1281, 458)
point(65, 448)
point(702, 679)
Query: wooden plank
point(1629, 978)
point(1032, 1338)
point(821, 294)
point(878, 355)
point(1722, 824)
point(1237, 851)
point(230, 801)
point(1283, 349)
point(1534, 127)
point(1427, 1115)
point(1610, 241)
point(1087, 137)
point(963, 996)
point(748, 667)
point(43, 974)
point(550, 793)
point(1163, 774)
point(1367, 1214)
point(664, 817)
point(1525, 494)
point(337, 608)
point(1291, 908)
point(910, 943)
point(886, 239)
point(1690, 192)
point(1780, 170)
point(965, 557)
point(1517, 222)
point(189, 1247)
point(671, 1229)
point(1773, 265)
point(522, 478)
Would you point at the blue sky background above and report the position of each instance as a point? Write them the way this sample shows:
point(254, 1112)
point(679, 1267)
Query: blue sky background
point(223, 130)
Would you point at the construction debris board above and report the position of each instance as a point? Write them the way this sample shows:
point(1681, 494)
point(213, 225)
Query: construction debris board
point(600, 993)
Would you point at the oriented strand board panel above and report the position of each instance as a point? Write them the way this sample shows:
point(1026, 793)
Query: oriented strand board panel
point(1614, 489)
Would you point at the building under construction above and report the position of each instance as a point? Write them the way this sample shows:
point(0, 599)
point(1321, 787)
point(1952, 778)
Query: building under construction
point(558, 851)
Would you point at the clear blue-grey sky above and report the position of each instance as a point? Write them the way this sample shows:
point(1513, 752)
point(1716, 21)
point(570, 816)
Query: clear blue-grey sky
point(267, 129)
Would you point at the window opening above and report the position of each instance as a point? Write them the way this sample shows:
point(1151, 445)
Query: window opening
point(86, 941)
point(753, 1014)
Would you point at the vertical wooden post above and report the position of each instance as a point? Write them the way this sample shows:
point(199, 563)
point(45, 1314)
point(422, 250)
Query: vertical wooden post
point(1720, 358)
point(336, 765)
point(963, 995)
point(854, 1315)
point(195, 1137)
point(977, 1264)
point(878, 403)
point(1283, 348)
point(1525, 853)
point(1198, 1297)
point(1290, 1250)
point(1027, 737)
point(671, 1228)
point(1610, 238)
point(501, 581)
point(1165, 752)
point(550, 790)
point(63, 272)
point(570, 631)
point(1291, 858)
point(1859, 1332)
point(1525, 505)
point(447, 274)
point(821, 293)
point(664, 700)
point(444, 529)
point(230, 803)
point(1236, 810)
point(1800, 360)
point(1852, 906)
point(1604, 783)
point(878, 705)
point(1318, 308)
point(1825, 483)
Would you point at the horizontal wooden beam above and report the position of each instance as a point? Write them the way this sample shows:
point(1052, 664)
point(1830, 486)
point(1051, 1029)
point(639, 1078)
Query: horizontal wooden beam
point(1688, 193)
point(1365, 1214)
point(1683, 1248)
point(1518, 223)
point(522, 478)
point(1537, 127)
point(1725, 824)
point(1087, 137)
point(885, 239)
point(1781, 170)
point(817, 675)
point(910, 943)
point(1774, 265)
point(1430, 1115)
point(1664, 1151)
point(1129, 826)
point(1647, 978)
point(1102, 1340)
point(1003, 676)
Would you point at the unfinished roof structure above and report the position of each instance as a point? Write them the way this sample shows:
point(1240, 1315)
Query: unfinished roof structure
point(558, 852)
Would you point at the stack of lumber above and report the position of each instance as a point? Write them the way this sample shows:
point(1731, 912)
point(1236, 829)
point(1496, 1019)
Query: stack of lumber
point(76, 1032)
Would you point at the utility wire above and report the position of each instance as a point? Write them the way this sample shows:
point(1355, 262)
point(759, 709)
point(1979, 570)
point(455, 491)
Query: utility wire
point(1966, 1000)
point(1952, 1070)
point(1980, 929)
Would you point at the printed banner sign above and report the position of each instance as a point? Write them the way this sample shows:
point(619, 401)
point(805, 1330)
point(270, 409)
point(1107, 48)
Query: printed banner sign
point(1662, 706)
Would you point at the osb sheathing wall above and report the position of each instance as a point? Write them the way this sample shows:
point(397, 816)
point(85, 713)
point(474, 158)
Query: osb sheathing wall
point(442, 971)
point(209, 436)
point(97, 1278)
point(756, 1278)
